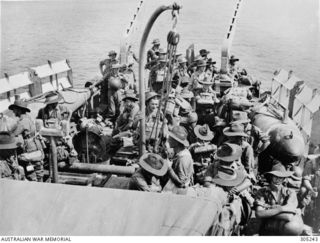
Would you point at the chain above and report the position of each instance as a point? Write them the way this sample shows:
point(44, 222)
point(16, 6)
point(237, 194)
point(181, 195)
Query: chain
point(173, 39)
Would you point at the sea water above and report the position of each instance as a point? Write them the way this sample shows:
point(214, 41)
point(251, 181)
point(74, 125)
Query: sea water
point(271, 34)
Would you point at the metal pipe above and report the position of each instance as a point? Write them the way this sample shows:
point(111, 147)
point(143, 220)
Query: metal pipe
point(154, 16)
point(54, 161)
point(100, 168)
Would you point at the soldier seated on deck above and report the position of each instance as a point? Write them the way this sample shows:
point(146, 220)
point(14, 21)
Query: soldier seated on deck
point(277, 205)
point(229, 155)
point(54, 110)
point(124, 123)
point(152, 105)
point(153, 54)
point(193, 66)
point(32, 157)
point(207, 83)
point(257, 139)
point(9, 167)
point(152, 127)
point(227, 172)
point(206, 100)
point(20, 110)
point(152, 167)
point(211, 69)
point(202, 150)
point(126, 119)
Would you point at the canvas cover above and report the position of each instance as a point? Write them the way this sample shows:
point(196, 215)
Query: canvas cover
point(31, 208)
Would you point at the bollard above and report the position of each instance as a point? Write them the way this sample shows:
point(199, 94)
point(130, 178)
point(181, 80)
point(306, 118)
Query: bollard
point(52, 134)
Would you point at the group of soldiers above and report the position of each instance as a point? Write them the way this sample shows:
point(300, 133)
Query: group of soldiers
point(205, 145)
point(23, 150)
point(192, 138)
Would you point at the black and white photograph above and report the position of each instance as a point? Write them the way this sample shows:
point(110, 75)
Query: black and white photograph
point(159, 118)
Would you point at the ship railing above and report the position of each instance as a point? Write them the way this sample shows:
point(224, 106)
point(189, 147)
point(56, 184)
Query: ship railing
point(301, 102)
point(35, 81)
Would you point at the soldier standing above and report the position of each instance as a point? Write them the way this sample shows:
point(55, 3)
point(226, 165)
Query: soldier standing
point(180, 74)
point(157, 75)
point(153, 53)
point(114, 98)
point(233, 69)
point(204, 54)
point(181, 172)
point(106, 64)
point(198, 75)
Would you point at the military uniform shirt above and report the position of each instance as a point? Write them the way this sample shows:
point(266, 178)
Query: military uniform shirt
point(25, 123)
point(183, 166)
point(5, 171)
point(266, 198)
point(126, 119)
point(108, 64)
point(56, 113)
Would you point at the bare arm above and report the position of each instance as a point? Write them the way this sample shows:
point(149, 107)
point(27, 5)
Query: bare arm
point(285, 212)
point(101, 65)
point(267, 213)
point(244, 185)
point(173, 176)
